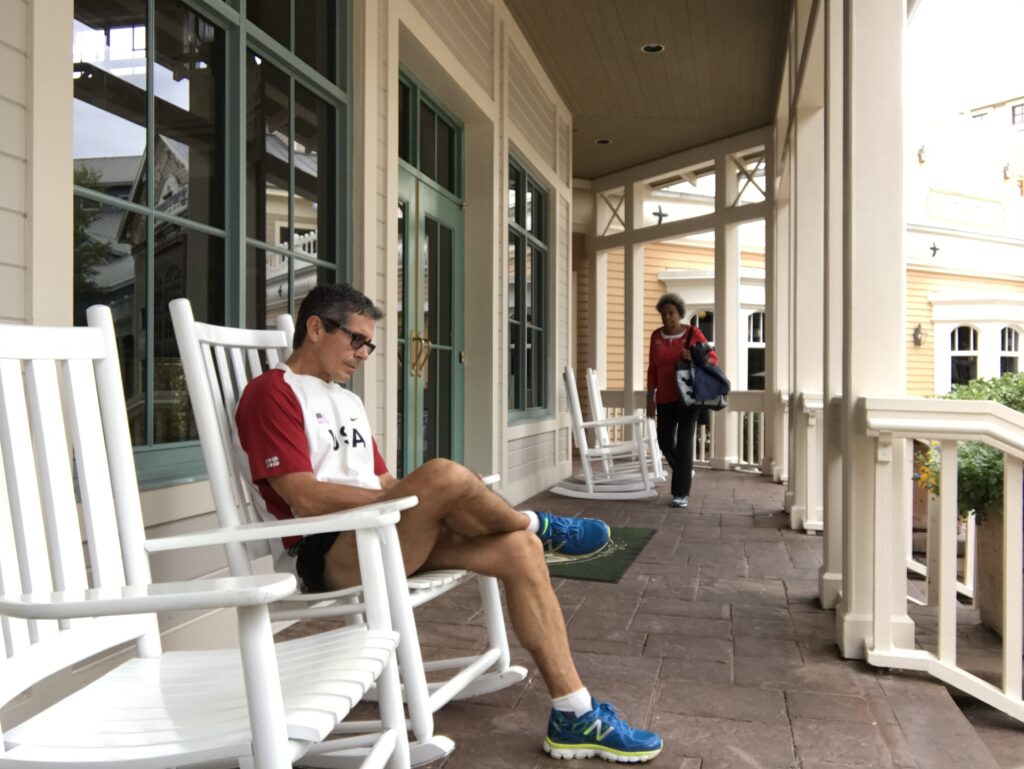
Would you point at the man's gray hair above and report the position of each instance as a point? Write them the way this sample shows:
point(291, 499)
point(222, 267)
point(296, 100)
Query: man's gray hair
point(335, 302)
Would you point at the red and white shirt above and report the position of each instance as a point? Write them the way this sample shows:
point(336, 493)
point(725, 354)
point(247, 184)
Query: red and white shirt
point(294, 423)
point(665, 352)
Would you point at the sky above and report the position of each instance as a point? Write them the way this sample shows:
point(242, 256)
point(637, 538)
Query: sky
point(960, 54)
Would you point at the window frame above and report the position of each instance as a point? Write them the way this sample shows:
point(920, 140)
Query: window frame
point(522, 237)
point(166, 464)
point(971, 351)
point(1009, 348)
point(756, 320)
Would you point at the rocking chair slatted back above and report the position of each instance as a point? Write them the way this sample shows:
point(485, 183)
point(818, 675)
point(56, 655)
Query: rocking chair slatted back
point(52, 390)
point(232, 357)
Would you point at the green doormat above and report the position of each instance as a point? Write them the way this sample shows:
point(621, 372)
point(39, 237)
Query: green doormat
point(609, 564)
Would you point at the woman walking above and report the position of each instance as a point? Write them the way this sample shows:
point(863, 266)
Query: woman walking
point(671, 344)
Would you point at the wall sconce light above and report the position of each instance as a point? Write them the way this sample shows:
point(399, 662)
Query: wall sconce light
point(918, 335)
point(921, 155)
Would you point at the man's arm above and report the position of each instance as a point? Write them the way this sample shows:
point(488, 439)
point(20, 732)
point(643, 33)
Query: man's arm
point(306, 496)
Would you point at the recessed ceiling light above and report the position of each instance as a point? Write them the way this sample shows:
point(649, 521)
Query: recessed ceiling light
point(652, 48)
point(603, 141)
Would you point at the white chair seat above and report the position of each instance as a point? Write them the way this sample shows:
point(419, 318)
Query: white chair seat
point(177, 703)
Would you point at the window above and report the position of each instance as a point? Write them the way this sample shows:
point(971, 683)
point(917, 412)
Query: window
point(755, 351)
point(705, 321)
point(1010, 347)
point(527, 309)
point(1017, 114)
point(437, 152)
point(176, 143)
point(963, 344)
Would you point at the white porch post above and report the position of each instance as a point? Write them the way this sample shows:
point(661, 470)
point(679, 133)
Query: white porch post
point(633, 372)
point(830, 575)
point(727, 309)
point(874, 359)
point(778, 339)
point(808, 242)
point(597, 295)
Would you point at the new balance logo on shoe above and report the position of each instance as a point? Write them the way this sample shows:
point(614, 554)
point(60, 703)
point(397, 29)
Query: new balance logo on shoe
point(595, 727)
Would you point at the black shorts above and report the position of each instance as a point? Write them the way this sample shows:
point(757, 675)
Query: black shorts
point(310, 553)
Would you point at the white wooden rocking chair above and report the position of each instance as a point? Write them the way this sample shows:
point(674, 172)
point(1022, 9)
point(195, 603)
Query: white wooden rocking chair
point(599, 413)
point(615, 471)
point(219, 361)
point(64, 432)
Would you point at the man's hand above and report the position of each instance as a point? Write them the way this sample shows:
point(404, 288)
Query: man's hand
point(387, 480)
point(307, 496)
point(652, 408)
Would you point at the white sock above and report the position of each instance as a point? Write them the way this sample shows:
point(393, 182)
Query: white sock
point(577, 702)
point(534, 520)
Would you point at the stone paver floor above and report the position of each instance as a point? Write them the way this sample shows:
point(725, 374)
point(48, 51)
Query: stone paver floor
point(714, 638)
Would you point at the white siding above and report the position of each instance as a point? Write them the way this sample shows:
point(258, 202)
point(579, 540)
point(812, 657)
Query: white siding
point(530, 109)
point(467, 29)
point(530, 456)
point(379, 417)
point(13, 160)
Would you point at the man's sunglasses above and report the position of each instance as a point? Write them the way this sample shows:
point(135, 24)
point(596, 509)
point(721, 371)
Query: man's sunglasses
point(358, 340)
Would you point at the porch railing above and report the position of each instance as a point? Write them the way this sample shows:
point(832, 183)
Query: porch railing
point(749, 407)
point(949, 423)
point(749, 404)
point(964, 584)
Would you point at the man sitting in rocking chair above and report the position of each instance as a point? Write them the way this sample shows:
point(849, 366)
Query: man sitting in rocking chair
point(310, 452)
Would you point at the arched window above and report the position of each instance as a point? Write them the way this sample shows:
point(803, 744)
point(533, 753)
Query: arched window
point(755, 351)
point(963, 347)
point(705, 321)
point(1008, 360)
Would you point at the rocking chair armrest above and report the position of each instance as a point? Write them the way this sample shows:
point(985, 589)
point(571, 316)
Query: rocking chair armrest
point(632, 419)
point(364, 517)
point(214, 593)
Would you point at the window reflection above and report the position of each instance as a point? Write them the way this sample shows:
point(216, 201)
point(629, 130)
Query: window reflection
point(133, 260)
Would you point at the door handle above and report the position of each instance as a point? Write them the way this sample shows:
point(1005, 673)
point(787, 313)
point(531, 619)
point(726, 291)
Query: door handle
point(421, 353)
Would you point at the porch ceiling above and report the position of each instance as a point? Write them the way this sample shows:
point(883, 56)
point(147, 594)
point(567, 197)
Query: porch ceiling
point(718, 75)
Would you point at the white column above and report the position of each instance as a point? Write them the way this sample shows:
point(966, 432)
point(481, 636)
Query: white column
point(808, 270)
point(874, 363)
point(830, 575)
point(777, 312)
point(727, 309)
point(634, 348)
point(597, 296)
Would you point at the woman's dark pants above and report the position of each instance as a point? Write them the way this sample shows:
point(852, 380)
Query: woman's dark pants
point(676, 425)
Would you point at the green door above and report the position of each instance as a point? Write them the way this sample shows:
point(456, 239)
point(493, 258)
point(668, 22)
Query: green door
point(430, 330)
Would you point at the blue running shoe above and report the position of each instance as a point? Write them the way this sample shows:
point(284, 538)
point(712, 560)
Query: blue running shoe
point(572, 536)
point(599, 733)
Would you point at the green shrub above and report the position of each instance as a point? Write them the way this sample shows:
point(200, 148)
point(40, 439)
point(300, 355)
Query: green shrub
point(979, 466)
